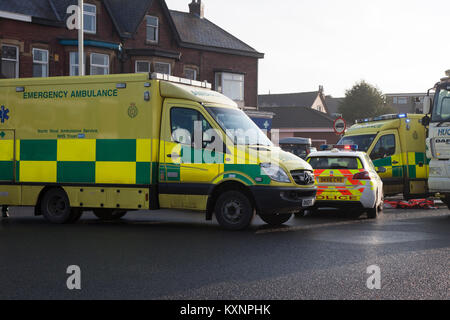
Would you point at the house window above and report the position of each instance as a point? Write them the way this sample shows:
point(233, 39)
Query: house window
point(231, 85)
point(99, 64)
point(90, 18)
point(162, 67)
point(74, 70)
point(400, 100)
point(142, 67)
point(152, 28)
point(40, 63)
point(10, 61)
point(190, 73)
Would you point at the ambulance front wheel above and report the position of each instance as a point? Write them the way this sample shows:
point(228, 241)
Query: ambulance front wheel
point(55, 207)
point(234, 210)
point(276, 220)
point(109, 214)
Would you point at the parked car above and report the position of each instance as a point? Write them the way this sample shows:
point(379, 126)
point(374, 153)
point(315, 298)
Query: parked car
point(301, 147)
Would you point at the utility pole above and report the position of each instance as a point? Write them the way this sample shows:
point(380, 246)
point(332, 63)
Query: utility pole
point(81, 38)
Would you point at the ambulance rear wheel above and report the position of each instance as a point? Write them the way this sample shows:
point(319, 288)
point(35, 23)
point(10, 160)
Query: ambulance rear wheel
point(109, 214)
point(234, 210)
point(276, 220)
point(55, 207)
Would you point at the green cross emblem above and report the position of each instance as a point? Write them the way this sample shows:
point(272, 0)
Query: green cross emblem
point(2, 134)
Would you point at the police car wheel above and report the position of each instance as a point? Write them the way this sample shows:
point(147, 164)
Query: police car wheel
point(234, 211)
point(276, 220)
point(109, 214)
point(55, 206)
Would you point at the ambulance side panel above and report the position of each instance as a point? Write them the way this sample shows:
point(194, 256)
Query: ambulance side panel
point(97, 137)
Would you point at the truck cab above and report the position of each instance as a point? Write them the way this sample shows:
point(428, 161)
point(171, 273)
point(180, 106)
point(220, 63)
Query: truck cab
point(397, 143)
point(437, 120)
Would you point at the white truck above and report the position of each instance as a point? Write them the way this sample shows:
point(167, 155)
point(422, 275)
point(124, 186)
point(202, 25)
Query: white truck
point(437, 117)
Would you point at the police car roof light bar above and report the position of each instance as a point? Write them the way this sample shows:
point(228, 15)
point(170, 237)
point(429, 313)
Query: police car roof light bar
point(345, 147)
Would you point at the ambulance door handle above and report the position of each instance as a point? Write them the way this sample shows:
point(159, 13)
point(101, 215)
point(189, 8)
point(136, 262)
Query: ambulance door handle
point(173, 155)
point(394, 162)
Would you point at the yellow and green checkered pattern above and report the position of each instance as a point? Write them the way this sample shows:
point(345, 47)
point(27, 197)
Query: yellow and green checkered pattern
point(84, 161)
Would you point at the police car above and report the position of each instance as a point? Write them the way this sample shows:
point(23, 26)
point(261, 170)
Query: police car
point(346, 178)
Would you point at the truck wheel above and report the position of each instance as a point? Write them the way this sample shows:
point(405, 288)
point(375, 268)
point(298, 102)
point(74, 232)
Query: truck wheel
point(109, 214)
point(276, 220)
point(55, 206)
point(234, 211)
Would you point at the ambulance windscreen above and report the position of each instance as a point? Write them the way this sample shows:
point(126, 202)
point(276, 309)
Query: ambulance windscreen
point(363, 141)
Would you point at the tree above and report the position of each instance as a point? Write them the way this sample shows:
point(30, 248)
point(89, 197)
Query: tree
point(363, 100)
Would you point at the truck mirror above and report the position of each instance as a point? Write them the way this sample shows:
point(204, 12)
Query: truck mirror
point(381, 170)
point(426, 105)
point(426, 121)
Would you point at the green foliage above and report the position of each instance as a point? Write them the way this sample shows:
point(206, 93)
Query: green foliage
point(363, 100)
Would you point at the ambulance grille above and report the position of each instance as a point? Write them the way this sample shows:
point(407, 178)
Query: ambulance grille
point(303, 177)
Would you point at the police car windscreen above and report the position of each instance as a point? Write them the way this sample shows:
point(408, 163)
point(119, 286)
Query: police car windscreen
point(350, 163)
point(363, 141)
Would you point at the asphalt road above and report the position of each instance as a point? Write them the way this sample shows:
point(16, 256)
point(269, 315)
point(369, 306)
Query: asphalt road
point(178, 255)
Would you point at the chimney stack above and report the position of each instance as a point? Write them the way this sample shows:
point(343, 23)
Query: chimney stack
point(196, 7)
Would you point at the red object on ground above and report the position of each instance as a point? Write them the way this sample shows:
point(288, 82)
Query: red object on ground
point(411, 204)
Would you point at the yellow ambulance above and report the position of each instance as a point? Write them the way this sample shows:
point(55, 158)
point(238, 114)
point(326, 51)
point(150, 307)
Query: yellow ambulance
point(118, 143)
point(397, 143)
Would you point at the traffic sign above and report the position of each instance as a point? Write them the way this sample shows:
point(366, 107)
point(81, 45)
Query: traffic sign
point(340, 126)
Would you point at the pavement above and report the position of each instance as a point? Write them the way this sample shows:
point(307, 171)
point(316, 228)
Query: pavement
point(174, 255)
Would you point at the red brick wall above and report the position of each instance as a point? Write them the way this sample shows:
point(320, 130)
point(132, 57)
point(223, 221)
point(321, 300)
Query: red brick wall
point(28, 36)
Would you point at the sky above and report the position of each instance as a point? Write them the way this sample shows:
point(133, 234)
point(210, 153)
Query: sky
point(400, 46)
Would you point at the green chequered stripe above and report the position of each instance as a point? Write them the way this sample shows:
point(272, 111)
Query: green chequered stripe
point(116, 150)
point(76, 172)
point(251, 170)
point(6, 170)
point(81, 171)
point(38, 150)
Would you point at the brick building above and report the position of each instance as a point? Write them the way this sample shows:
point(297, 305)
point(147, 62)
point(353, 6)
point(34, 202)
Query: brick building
point(126, 36)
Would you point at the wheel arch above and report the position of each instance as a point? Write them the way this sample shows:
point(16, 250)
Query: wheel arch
point(223, 187)
point(37, 208)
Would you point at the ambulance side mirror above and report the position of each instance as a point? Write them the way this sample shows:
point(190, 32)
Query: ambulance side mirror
point(381, 170)
point(426, 105)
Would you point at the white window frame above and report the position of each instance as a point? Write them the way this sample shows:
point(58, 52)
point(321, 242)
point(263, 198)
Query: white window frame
point(16, 60)
point(402, 100)
point(220, 75)
point(71, 73)
point(92, 14)
point(152, 26)
point(41, 62)
point(141, 61)
point(99, 65)
point(191, 69)
point(164, 63)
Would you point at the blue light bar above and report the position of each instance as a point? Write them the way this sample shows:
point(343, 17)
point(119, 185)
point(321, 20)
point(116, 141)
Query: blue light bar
point(402, 115)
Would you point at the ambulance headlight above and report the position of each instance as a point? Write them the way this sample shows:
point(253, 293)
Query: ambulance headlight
point(435, 171)
point(275, 172)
